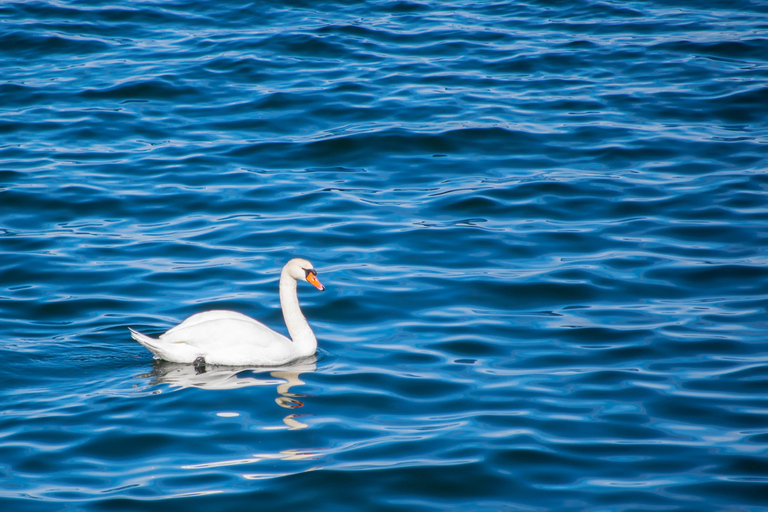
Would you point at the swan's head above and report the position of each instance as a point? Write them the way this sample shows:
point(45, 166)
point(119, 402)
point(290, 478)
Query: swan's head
point(302, 270)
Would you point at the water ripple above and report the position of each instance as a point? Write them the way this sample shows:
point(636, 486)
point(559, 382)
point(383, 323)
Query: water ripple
point(541, 227)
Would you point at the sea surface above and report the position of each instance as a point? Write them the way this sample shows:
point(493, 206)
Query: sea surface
point(542, 227)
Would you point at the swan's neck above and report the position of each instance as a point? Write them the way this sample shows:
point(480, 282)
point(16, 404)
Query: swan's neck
point(298, 328)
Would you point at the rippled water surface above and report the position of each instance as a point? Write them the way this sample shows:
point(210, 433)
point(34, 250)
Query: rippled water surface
point(542, 226)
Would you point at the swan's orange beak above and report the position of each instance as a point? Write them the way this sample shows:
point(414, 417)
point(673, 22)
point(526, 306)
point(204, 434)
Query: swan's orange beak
point(312, 278)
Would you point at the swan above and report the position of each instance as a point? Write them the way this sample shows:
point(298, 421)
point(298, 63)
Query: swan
point(234, 339)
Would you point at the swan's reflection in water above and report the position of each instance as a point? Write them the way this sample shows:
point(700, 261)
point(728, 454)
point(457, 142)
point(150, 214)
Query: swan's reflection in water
point(212, 377)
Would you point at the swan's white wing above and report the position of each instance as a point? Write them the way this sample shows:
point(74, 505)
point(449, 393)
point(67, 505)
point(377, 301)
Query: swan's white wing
point(229, 333)
point(208, 316)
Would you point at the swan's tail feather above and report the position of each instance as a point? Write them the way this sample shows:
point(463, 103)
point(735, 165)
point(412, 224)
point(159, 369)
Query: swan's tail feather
point(176, 351)
point(152, 344)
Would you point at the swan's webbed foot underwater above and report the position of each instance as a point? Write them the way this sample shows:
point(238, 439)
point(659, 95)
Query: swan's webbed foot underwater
point(199, 365)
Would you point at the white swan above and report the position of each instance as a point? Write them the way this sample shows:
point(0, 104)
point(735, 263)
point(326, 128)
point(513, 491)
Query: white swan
point(231, 338)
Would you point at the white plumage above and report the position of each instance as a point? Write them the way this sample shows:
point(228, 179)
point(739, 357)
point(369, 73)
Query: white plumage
point(231, 338)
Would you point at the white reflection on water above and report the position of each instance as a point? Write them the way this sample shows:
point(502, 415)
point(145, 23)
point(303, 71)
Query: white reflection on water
point(258, 457)
point(211, 377)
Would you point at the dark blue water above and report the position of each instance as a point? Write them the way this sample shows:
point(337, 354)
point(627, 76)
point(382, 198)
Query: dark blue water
point(542, 226)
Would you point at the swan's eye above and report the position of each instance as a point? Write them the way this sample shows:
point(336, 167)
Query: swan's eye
point(309, 271)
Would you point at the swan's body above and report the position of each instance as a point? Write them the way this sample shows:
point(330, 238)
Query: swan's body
point(231, 338)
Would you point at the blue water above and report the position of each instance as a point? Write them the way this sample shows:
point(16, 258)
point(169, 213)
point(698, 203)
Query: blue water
point(542, 226)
